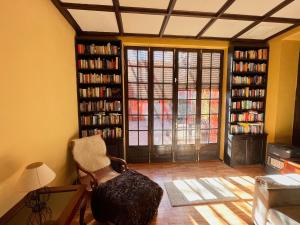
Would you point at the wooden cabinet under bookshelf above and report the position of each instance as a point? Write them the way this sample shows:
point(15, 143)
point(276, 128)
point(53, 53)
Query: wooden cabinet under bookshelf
point(246, 98)
point(99, 90)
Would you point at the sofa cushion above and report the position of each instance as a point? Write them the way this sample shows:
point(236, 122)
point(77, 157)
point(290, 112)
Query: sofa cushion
point(128, 199)
point(288, 215)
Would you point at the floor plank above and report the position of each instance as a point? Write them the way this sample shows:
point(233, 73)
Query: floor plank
point(227, 213)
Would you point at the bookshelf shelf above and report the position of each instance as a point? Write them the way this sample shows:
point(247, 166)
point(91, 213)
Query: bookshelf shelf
point(246, 98)
point(100, 91)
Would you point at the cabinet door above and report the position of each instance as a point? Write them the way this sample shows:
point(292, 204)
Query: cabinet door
point(238, 148)
point(253, 152)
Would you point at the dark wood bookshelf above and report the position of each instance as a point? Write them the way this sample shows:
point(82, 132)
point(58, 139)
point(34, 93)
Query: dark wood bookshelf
point(89, 50)
point(245, 141)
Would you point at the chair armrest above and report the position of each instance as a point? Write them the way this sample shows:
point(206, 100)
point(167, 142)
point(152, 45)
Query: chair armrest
point(121, 161)
point(94, 182)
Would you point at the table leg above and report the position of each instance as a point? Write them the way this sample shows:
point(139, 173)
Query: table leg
point(82, 211)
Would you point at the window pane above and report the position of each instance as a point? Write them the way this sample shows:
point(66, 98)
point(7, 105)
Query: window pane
point(214, 106)
point(192, 94)
point(191, 106)
point(205, 76)
point(215, 92)
point(133, 122)
point(132, 74)
point(205, 93)
point(204, 136)
point(168, 75)
point(133, 138)
point(182, 76)
point(143, 91)
point(181, 122)
point(214, 122)
point(168, 91)
point(191, 137)
point(132, 57)
point(204, 106)
point(143, 58)
point(158, 75)
point(157, 137)
point(143, 75)
point(182, 59)
point(216, 60)
point(204, 122)
point(181, 137)
point(182, 92)
point(182, 107)
point(143, 107)
point(192, 76)
point(158, 58)
point(158, 91)
point(213, 136)
point(167, 122)
point(168, 107)
point(167, 137)
point(215, 76)
point(132, 107)
point(206, 59)
point(143, 122)
point(168, 58)
point(193, 59)
point(132, 90)
point(143, 138)
point(191, 121)
point(157, 122)
point(158, 104)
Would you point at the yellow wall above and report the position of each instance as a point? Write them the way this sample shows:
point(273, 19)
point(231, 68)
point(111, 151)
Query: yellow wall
point(38, 113)
point(282, 82)
point(185, 43)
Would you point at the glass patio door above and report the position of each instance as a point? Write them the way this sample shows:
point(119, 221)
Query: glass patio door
point(186, 106)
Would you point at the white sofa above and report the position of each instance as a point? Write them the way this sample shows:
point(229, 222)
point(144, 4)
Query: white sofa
point(277, 200)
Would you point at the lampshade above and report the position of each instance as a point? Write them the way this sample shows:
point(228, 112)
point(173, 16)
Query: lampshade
point(35, 176)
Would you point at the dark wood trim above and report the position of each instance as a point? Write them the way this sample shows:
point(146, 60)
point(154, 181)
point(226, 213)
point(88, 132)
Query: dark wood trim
point(116, 4)
point(167, 17)
point(105, 8)
point(67, 15)
point(264, 17)
point(227, 4)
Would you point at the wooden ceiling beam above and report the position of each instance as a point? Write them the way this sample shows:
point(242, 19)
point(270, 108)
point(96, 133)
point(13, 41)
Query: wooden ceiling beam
point(116, 5)
point(167, 17)
point(226, 5)
point(67, 15)
point(264, 18)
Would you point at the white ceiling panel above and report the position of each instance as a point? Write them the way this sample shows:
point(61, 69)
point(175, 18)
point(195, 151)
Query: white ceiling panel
point(92, 2)
point(199, 5)
point(290, 11)
point(187, 26)
point(252, 7)
point(264, 30)
point(226, 28)
point(95, 20)
point(142, 23)
point(158, 4)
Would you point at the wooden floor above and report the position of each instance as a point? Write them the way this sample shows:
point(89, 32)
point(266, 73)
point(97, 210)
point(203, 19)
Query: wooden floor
point(228, 213)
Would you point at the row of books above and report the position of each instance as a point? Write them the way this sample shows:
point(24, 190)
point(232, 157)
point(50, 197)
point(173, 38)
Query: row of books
point(257, 80)
point(247, 128)
point(247, 104)
point(250, 116)
point(97, 49)
point(247, 92)
point(102, 105)
point(249, 67)
point(98, 63)
point(99, 92)
point(94, 78)
point(102, 119)
point(251, 54)
point(107, 133)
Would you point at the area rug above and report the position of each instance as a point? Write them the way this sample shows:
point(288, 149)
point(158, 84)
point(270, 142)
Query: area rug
point(198, 191)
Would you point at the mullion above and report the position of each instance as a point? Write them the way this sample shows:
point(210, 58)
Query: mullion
point(186, 100)
point(210, 94)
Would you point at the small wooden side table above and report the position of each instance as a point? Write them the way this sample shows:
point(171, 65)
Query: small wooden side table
point(63, 202)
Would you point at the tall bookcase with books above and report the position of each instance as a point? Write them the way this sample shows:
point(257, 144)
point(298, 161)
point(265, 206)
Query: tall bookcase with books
point(99, 91)
point(246, 98)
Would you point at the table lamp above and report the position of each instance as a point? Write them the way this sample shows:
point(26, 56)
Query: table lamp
point(33, 181)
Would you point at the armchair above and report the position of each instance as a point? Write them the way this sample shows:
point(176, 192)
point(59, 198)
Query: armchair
point(93, 164)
